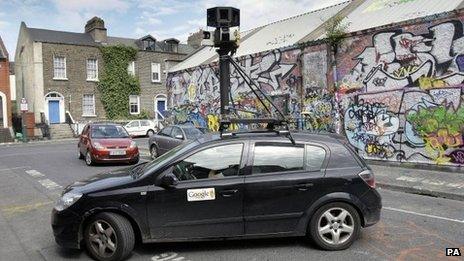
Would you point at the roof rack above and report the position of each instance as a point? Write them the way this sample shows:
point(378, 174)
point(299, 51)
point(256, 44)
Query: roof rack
point(272, 123)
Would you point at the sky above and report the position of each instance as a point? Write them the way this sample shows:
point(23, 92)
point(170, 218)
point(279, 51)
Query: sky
point(134, 19)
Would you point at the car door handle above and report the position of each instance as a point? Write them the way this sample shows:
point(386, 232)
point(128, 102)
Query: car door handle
point(304, 186)
point(228, 193)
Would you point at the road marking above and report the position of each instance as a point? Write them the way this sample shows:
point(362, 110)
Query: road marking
point(424, 215)
point(49, 184)
point(24, 208)
point(430, 182)
point(22, 167)
point(34, 173)
point(171, 256)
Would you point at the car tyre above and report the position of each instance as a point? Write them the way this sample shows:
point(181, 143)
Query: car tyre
point(153, 151)
point(335, 226)
point(88, 159)
point(150, 133)
point(109, 237)
point(134, 161)
point(79, 154)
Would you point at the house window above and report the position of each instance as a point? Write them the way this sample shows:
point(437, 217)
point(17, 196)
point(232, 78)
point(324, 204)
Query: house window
point(148, 44)
point(172, 47)
point(155, 72)
point(59, 68)
point(131, 68)
point(134, 104)
point(88, 105)
point(92, 70)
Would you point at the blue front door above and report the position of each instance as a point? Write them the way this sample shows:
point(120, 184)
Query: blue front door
point(160, 107)
point(54, 111)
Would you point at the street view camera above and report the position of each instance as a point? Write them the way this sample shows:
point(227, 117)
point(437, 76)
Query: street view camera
point(226, 20)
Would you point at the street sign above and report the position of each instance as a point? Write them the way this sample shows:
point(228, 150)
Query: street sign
point(23, 105)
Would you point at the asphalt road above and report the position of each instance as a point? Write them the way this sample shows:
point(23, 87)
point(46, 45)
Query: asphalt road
point(413, 227)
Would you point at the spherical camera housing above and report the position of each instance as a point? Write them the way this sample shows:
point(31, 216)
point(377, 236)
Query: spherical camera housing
point(222, 16)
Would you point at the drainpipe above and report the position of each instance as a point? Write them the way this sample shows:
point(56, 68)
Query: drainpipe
point(333, 52)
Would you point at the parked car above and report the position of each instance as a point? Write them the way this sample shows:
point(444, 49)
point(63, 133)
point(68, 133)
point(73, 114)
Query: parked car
point(170, 137)
point(239, 186)
point(106, 142)
point(141, 128)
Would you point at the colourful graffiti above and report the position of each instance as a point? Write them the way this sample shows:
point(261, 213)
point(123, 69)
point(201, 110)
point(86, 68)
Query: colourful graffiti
point(407, 96)
point(194, 95)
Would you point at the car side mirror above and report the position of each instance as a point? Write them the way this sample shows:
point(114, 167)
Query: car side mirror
point(179, 137)
point(169, 181)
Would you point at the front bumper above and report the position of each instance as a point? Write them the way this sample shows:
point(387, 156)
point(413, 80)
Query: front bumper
point(101, 156)
point(65, 225)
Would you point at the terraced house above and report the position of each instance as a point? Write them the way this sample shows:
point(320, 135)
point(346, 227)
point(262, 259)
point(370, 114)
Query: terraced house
point(57, 72)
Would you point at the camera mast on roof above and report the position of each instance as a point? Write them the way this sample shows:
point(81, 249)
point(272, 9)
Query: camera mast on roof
point(226, 38)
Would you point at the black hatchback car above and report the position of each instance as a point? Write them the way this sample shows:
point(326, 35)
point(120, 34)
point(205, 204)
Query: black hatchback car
point(243, 186)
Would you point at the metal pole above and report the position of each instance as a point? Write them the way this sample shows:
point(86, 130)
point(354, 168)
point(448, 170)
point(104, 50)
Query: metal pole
point(224, 81)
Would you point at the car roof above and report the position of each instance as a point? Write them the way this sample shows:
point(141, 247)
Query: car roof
point(299, 136)
point(103, 124)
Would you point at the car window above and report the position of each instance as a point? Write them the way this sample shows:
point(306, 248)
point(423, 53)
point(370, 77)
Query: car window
point(270, 158)
point(211, 163)
point(192, 133)
point(166, 131)
point(176, 131)
point(134, 124)
point(108, 132)
point(144, 123)
point(314, 157)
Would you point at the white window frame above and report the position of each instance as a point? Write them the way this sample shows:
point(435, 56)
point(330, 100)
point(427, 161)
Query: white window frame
point(93, 114)
point(158, 71)
point(131, 68)
point(138, 105)
point(55, 77)
point(96, 70)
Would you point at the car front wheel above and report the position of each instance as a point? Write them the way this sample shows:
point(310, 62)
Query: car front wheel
point(335, 226)
point(153, 151)
point(109, 237)
point(88, 159)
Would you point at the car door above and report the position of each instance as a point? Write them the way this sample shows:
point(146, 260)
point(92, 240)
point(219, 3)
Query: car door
point(132, 127)
point(84, 139)
point(162, 139)
point(282, 183)
point(208, 199)
point(175, 137)
point(144, 127)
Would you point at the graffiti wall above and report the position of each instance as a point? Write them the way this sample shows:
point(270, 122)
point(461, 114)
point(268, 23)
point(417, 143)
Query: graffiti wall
point(402, 93)
point(194, 94)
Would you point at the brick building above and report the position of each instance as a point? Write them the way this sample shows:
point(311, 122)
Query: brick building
point(5, 97)
point(57, 72)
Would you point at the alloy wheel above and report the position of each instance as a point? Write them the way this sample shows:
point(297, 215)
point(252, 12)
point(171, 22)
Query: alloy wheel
point(88, 158)
point(336, 226)
point(103, 239)
point(153, 152)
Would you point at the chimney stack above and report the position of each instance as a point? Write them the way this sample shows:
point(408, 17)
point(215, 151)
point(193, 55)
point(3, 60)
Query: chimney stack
point(96, 28)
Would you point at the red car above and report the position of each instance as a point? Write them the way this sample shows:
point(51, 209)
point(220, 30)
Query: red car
point(106, 142)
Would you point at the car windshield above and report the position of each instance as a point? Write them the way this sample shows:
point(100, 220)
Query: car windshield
point(192, 133)
point(163, 159)
point(108, 132)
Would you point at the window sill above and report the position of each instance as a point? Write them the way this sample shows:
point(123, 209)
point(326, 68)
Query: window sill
point(93, 115)
point(155, 81)
point(133, 113)
point(60, 79)
point(92, 80)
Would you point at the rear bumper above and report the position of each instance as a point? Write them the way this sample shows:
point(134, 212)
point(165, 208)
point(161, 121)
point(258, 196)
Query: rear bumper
point(372, 207)
point(65, 226)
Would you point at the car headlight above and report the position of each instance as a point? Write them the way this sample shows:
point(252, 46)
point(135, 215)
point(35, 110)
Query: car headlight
point(67, 200)
point(133, 145)
point(98, 146)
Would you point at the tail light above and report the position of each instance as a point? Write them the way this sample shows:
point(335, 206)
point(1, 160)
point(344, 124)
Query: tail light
point(368, 177)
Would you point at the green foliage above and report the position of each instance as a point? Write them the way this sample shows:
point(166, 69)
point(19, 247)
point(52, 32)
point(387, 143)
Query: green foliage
point(335, 30)
point(430, 120)
point(116, 84)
